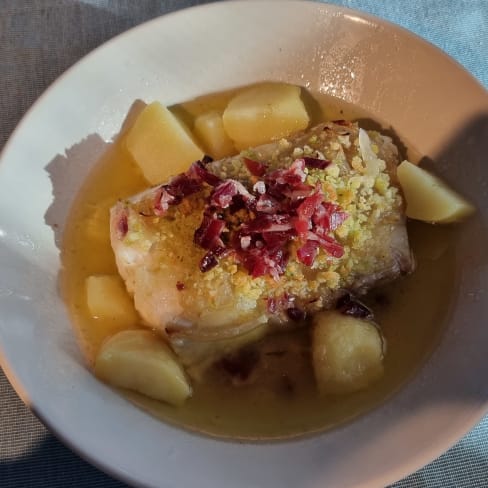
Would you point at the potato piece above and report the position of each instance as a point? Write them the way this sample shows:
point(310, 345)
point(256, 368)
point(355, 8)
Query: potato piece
point(140, 361)
point(347, 353)
point(210, 130)
point(107, 298)
point(160, 144)
point(429, 198)
point(264, 113)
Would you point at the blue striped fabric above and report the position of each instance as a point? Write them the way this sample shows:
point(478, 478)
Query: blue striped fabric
point(458, 27)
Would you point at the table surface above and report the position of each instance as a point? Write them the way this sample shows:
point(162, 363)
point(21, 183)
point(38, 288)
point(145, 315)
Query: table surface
point(39, 40)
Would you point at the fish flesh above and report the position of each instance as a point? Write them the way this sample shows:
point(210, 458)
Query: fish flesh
point(237, 248)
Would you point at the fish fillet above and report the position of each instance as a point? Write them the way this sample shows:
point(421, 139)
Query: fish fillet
point(256, 242)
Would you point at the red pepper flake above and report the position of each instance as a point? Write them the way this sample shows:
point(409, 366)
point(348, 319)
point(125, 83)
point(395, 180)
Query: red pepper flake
point(301, 227)
point(163, 199)
point(122, 226)
point(316, 163)
point(180, 286)
point(331, 246)
point(223, 195)
point(267, 204)
point(208, 234)
point(210, 260)
point(328, 217)
point(298, 192)
point(255, 167)
point(199, 171)
point(261, 261)
point(308, 252)
point(294, 175)
point(309, 205)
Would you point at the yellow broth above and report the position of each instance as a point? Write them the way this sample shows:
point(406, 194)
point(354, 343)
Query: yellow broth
point(283, 400)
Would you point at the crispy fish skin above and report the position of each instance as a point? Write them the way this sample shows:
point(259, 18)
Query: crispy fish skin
point(159, 261)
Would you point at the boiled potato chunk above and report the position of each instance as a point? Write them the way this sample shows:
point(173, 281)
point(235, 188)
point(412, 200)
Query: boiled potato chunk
point(210, 131)
point(347, 353)
point(160, 144)
point(138, 360)
point(428, 198)
point(107, 298)
point(264, 113)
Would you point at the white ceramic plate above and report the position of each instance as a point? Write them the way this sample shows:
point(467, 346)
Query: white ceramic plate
point(427, 98)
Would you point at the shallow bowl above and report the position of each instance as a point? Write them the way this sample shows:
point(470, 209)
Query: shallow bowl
point(426, 97)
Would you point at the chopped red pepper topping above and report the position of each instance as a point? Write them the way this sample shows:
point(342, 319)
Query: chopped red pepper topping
point(255, 167)
point(280, 208)
point(122, 226)
point(308, 252)
point(316, 163)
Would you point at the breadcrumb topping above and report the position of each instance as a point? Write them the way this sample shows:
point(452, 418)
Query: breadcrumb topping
point(371, 200)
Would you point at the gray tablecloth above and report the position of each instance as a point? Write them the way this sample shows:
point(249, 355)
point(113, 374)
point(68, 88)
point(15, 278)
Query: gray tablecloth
point(39, 39)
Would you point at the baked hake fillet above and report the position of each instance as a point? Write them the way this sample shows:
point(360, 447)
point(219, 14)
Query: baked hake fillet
point(235, 248)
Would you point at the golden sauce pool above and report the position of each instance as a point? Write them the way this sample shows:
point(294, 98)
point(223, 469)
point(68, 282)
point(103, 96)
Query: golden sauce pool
point(283, 400)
